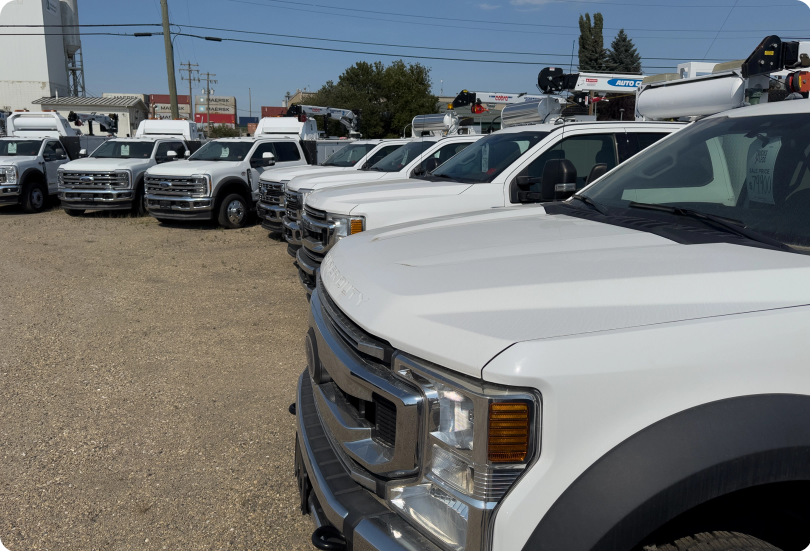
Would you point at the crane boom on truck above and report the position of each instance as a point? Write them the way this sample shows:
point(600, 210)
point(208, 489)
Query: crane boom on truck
point(107, 123)
point(347, 117)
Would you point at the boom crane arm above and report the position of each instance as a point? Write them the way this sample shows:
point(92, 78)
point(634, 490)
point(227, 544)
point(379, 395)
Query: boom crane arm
point(347, 117)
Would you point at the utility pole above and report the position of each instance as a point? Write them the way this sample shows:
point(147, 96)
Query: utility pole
point(188, 68)
point(170, 61)
point(209, 82)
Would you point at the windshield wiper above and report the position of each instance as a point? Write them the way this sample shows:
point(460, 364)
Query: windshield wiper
point(732, 226)
point(588, 200)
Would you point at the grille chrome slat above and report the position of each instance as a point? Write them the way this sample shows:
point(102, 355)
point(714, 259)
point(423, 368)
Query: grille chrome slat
point(84, 179)
point(173, 186)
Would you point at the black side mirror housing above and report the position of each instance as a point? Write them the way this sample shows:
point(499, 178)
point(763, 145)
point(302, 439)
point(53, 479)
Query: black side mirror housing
point(558, 180)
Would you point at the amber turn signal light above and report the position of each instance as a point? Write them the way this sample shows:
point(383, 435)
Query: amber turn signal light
point(508, 431)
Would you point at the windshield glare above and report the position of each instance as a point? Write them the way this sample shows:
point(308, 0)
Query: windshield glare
point(221, 150)
point(402, 156)
point(754, 170)
point(348, 155)
point(119, 149)
point(486, 158)
point(13, 148)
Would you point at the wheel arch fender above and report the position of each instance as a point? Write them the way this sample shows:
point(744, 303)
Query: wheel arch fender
point(31, 172)
point(675, 464)
point(233, 185)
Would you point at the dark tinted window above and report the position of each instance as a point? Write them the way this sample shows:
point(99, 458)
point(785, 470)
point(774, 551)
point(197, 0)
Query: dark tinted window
point(380, 154)
point(286, 151)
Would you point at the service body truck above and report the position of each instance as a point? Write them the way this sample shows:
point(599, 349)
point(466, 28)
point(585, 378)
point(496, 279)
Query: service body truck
point(38, 143)
point(112, 178)
point(508, 167)
point(220, 181)
point(435, 139)
point(626, 369)
point(357, 155)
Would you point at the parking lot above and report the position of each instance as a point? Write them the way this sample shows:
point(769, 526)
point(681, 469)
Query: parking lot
point(145, 377)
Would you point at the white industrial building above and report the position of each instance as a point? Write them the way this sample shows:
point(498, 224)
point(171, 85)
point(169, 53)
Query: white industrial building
point(37, 66)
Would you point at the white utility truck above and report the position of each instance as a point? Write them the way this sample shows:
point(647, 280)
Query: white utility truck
point(112, 178)
point(356, 155)
point(627, 369)
point(521, 164)
point(435, 138)
point(220, 181)
point(38, 143)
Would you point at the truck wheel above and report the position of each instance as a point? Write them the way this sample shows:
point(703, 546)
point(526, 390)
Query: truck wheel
point(233, 211)
point(75, 212)
point(139, 208)
point(716, 540)
point(34, 196)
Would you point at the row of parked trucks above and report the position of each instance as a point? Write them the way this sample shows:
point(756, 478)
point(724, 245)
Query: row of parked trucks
point(562, 335)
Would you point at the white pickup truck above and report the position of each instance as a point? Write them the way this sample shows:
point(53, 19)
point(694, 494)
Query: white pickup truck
point(38, 143)
point(112, 178)
point(220, 181)
point(357, 155)
point(508, 167)
point(625, 369)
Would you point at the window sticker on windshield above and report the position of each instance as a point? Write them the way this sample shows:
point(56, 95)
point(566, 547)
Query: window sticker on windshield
point(125, 150)
point(760, 170)
point(12, 148)
point(224, 153)
point(485, 154)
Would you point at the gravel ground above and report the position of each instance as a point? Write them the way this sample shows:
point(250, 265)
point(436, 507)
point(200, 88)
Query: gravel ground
point(145, 377)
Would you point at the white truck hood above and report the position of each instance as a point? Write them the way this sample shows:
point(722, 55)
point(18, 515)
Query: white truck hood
point(319, 181)
point(15, 159)
point(100, 164)
point(458, 291)
point(187, 168)
point(389, 202)
point(284, 174)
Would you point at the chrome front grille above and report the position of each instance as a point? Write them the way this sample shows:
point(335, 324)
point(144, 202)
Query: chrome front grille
point(371, 414)
point(173, 186)
point(315, 213)
point(272, 193)
point(95, 180)
point(293, 205)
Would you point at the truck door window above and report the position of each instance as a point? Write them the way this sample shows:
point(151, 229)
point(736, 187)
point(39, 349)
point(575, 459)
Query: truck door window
point(53, 151)
point(636, 142)
point(263, 148)
point(380, 154)
point(166, 147)
point(286, 151)
point(442, 155)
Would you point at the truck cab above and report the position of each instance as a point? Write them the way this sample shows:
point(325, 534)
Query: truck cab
point(220, 181)
point(518, 165)
point(30, 156)
point(357, 155)
point(112, 177)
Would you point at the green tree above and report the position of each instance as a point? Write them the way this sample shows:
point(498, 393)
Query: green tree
point(591, 55)
point(622, 56)
point(388, 97)
point(222, 131)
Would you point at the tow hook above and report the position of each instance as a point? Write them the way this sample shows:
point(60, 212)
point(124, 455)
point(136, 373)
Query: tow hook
point(328, 537)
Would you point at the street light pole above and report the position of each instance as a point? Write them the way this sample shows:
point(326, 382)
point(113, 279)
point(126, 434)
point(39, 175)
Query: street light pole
point(170, 61)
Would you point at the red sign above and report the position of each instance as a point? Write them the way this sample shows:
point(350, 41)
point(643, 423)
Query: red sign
point(217, 118)
point(164, 99)
point(268, 111)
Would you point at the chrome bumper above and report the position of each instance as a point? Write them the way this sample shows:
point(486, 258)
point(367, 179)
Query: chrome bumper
point(10, 195)
point(180, 208)
point(293, 232)
point(271, 216)
point(96, 199)
point(307, 270)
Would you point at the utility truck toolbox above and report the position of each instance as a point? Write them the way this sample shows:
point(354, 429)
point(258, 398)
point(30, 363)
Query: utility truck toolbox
point(624, 369)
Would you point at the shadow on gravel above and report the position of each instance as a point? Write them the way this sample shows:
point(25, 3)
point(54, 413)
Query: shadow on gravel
point(7, 210)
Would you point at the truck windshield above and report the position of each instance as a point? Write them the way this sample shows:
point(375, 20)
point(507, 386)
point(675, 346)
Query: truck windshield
point(222, 150)
point(348, 156)
point(402, 156)
point(742, 174)
point(486, 158)
point(12, 148)
point(123, 149)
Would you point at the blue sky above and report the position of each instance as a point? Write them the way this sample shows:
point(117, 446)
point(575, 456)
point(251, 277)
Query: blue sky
point(527, 34)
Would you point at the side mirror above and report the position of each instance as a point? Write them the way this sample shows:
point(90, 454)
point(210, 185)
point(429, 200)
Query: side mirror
point(187, 153)
point(597, 171)
point(431, 164)
point(171, 155)
point(268, 159)
point(82, 152)
point(558, 180)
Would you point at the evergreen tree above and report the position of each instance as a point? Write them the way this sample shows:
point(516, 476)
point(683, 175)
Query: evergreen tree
point(623, 56)
point(591, 55)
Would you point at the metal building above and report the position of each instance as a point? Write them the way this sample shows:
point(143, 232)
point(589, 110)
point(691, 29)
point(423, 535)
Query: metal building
point(45, 60)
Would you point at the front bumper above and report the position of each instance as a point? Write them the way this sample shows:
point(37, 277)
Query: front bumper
point(329, 492)
point(307, 265)
point(73, 198)
point(293, 233)
point(271, 216)
point(10, 195)
point(180, 208)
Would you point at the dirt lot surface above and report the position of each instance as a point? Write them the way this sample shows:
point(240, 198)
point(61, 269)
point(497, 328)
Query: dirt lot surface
point(145, 377)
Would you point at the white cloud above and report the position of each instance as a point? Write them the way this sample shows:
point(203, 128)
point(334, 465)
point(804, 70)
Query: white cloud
point(484, 6)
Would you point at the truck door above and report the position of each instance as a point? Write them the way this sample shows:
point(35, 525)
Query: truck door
point(53, 155)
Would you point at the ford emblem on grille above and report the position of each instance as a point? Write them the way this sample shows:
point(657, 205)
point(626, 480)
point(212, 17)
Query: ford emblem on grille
point(86, 179)
point(165, 184)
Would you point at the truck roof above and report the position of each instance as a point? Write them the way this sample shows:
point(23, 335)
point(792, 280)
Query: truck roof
point(46, 124)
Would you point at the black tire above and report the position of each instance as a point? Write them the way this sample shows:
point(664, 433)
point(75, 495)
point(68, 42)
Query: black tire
point(716, 540)
point(75, 212)
point(233, 212)
point(35, 196)
point(139, 208)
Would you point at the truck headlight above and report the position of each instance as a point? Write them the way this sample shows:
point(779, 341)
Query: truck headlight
point(346, 225)
point(123, 178)
point(481, 439)
point(202, 184)
point(10, 173)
